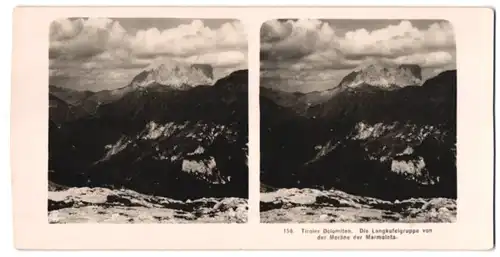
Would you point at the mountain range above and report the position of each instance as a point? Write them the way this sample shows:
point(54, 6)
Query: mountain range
point(173, 131)
point(382, 132)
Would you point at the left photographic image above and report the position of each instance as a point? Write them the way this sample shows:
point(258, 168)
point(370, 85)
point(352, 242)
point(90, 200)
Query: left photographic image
point(148, 121)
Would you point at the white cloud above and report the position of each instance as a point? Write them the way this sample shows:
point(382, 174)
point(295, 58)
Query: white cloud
point(292, 39)
point(79, 38)
point(432, 59)
point(183, 40)
point(220, 59)
point(83, 38)
point(188, 39)
point(314, 44)
point(396, 40)
point(101, 43)
point(64, 29)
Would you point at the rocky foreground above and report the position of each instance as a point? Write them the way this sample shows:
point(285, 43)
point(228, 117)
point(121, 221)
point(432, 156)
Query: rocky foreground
point(326, 206)
point(102, 205)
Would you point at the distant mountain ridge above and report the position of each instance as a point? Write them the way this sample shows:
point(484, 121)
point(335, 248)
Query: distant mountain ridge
point(168, 75)
point(370, 77)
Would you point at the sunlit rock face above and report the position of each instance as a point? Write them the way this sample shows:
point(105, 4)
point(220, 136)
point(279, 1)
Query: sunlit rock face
point(175, 74)
point(383, 76)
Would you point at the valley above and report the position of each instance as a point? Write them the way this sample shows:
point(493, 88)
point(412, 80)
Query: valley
point(182, 139)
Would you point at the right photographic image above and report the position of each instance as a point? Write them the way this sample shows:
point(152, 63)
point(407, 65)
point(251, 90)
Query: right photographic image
point(358, 121)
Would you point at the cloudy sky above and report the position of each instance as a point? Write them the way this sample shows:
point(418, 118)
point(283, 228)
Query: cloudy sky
point(106, 53)
point(309, 55)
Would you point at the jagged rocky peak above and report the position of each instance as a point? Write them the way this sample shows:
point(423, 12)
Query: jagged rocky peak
point(383, 75)
point(176, 74)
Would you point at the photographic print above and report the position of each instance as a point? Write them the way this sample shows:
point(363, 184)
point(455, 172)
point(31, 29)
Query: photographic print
point(358, 121)
point(148, 121)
